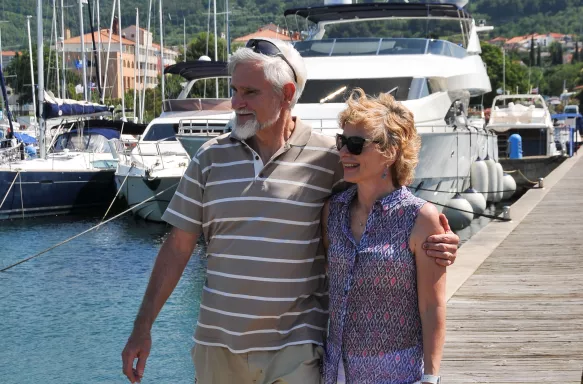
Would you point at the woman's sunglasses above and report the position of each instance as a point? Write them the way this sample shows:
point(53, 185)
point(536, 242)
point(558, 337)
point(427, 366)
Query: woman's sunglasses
point(354, 144)
point(267, 48)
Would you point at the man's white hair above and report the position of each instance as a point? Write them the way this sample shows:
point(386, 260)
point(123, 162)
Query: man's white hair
point(277, 71)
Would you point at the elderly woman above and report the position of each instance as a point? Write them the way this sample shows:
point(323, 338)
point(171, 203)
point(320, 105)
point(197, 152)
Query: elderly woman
point(387, 299)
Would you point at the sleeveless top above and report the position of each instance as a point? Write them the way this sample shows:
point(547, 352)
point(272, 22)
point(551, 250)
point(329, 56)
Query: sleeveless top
point(375, 326)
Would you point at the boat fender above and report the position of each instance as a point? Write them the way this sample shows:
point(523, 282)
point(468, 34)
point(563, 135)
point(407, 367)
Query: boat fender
point(509, 186)
point(476, 200)
point(500, 189)
point(492, 179)
point(459, 212)
point(479, 177)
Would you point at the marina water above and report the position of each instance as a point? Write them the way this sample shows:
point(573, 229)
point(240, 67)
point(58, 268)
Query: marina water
point(66, 315)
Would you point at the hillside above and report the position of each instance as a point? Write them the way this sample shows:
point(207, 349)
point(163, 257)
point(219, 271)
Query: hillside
point(510, 17)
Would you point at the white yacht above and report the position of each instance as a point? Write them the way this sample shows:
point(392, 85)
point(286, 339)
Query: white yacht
point(529, 117)
point(157, 162)
point(433, 77)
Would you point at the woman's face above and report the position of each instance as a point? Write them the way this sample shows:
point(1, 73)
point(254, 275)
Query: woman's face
point(369, 166)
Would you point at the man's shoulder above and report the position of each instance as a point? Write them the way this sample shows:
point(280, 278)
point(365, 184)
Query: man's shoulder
point(322, 138)
point(223, 141)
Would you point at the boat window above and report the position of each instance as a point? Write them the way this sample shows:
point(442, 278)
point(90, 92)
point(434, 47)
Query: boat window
point(377, 46)
point(317, 90)
point(161, 131)
point(91, 142)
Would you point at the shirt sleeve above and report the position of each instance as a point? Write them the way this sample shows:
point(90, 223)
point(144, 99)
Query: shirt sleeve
point(185, 208)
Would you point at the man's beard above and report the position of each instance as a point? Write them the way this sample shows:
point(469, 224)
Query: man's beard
point(251, 127)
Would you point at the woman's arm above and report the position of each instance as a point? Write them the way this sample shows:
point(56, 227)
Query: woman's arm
point(430, 289)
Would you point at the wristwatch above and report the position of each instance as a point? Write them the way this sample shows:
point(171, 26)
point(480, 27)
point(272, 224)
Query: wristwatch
point(431, 379)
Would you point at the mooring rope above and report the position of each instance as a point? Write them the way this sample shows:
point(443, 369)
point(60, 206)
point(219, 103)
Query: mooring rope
point(9, 189)
point(117, 194)
point(86, 231)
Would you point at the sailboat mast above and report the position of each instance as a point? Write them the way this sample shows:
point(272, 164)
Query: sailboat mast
point(136, 61)
point(147, 43)
point(54, 27)
point(108, 51)
point(216, 49)
point(40, 71)
point(83, 58)
point(100, 46)
point(1, 64)
point(31, 66)
point(123, 102)
point(162, 49)
point(64, 84)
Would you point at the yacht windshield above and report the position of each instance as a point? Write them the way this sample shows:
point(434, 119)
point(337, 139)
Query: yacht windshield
point(318, 90)
point(161, 131)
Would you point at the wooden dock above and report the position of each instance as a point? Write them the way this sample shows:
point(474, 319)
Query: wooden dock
point(515, 313)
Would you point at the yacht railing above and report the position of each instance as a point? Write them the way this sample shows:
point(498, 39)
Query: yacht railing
point(203, 127)
point(374, 46)
point(7, 152)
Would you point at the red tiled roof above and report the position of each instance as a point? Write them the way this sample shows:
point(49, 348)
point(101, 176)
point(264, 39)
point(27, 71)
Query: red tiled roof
point(9, 53)
point(104, 37)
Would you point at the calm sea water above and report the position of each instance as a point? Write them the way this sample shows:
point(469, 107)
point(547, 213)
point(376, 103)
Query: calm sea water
point(66, 315)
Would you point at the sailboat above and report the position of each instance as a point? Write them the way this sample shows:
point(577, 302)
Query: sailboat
point(77, 172)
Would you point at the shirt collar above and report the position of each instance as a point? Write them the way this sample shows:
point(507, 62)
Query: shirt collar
point(299, 137)
point(386, 202)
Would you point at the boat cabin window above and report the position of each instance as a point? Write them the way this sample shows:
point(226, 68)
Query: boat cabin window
point(161, 131)
point(88, 142)
point(328, 89)
point(376, 46)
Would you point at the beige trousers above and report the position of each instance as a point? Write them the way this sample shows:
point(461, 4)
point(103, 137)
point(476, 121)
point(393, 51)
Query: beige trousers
point(297, 364)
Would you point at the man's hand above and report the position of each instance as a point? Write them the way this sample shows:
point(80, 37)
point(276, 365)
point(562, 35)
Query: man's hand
point(137, 347)
point(442, 247)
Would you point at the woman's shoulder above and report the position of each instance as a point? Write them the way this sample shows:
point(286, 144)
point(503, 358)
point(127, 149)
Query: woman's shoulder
point(343, 197)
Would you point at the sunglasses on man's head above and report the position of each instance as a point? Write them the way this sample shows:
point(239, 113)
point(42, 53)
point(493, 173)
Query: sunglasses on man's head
point(354, 144)
point(267, 48)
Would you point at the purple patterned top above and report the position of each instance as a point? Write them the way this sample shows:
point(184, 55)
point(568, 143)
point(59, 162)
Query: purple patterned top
point(375, 326)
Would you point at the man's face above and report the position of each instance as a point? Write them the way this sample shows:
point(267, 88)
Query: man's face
point(256, 103)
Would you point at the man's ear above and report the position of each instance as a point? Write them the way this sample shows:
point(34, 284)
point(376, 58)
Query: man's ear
point(289, 91)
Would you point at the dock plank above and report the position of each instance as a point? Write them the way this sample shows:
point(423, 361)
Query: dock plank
point(519, 317)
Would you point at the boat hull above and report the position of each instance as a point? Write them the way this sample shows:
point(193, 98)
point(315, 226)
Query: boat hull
point(137, 189)
point(43, 193)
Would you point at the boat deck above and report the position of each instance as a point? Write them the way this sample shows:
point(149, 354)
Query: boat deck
point(515, 309)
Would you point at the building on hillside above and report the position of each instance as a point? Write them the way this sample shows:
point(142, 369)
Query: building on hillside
point(7, 57)
point(544, 40)
point(148, 70)
point(270, 31)
point(499, 41)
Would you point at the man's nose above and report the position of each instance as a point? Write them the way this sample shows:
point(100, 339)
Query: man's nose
point(236, 102)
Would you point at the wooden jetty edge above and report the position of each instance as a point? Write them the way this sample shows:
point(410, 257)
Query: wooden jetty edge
point(515, 294)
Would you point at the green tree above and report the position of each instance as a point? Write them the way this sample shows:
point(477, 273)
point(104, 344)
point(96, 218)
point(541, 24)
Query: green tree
point(516, 74)
point(556, 51)
point(538, 57)
point(575, 57)
point(531, 61)
point(555, 76)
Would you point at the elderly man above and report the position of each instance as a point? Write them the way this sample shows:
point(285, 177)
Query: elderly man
point(256, 194)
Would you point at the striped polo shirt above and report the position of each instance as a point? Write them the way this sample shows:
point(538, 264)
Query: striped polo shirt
point(266, 285)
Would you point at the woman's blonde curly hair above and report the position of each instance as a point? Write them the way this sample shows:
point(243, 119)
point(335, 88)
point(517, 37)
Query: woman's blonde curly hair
point(390, 124)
